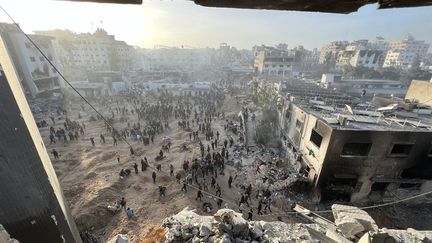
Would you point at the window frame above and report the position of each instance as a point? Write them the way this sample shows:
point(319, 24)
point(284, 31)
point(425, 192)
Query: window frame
point(356, 156)
point(391, 155)
point(310, 138)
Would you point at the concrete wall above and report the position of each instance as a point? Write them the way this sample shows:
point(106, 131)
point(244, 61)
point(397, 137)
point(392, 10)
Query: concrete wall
point(379, 163)
point(420, 91)
point(32, 205)
point(298, 127)
point(330, 171)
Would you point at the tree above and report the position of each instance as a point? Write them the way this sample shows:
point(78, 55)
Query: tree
point(267, 100)
point(415, 71)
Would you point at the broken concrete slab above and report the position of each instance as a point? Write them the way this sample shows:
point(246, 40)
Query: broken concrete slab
point(352, 221)
point(229, 226)
point(120, 238)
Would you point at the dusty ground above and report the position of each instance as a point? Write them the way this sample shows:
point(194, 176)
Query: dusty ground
point(90, 178)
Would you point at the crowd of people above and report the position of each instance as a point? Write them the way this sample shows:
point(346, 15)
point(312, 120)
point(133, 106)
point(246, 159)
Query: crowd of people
point(195, 115)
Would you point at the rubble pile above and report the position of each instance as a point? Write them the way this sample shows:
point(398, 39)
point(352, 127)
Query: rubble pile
point(353, 222)
point(276, 179)
point(228, 226)
point(408, 235)
point(120, 238)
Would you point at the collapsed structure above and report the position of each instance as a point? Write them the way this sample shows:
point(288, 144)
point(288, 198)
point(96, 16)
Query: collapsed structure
point(354, 151)
point(351, 225)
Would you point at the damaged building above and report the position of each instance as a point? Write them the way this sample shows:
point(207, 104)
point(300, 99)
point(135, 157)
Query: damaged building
point(354, 151)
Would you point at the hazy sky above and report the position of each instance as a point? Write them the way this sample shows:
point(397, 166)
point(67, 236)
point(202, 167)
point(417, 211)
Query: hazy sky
point(176, 23)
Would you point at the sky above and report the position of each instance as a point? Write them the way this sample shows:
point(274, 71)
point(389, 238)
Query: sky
point(180, 22)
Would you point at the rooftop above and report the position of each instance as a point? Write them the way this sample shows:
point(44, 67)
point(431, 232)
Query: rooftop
point(344, 112)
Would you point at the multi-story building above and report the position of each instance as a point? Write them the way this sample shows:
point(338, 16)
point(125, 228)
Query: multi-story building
point(86, 52)
point(353, 152)
point(343, 58)
point(331, 50)
point(305, 60)
point(367, 58)
point(174, 58)
point(36, 74)
point(403, 53)
point(364, 87)
point(361, 53)
point(274, 62)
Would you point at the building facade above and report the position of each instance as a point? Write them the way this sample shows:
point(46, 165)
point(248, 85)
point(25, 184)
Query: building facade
point(356, 154)
point(274, 62)
point(89, 52)
point(37, 76)
point(403, 53)
point(331, 50)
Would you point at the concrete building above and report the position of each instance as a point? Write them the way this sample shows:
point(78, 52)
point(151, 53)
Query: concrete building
point(403, 53)
point(373, 59)
point(99, 84)
point(37, 76)
point(305, 61)
point(331, 50)
point(274, 62)
point(32, 205)
point(163, 58)
point(353, 153)
point(89, 52)
point(179, 89)
point(364, 87)
point(420, 92)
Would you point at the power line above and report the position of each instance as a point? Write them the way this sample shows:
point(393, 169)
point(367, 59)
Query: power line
point(60, 74)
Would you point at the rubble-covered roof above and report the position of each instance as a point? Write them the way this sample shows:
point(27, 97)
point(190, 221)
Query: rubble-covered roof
point(342, 111)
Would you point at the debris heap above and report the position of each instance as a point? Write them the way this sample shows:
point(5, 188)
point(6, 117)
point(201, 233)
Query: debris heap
point(353, 222)
point(228, 226)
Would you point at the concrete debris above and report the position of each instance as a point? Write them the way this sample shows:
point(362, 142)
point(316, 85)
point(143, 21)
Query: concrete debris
point(5, 237)
point(397, 236)
point(352, 221)
point(120, 238)
point(228, 226)
point(276, 179)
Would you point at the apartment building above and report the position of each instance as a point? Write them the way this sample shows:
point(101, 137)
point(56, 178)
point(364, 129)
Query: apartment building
point(271, 61)
point(355, 153)
point(37, 76)
point(88, 52)
point(403, 53)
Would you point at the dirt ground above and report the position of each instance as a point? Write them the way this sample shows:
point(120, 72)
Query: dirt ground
point(90, 177)
point(90, 180)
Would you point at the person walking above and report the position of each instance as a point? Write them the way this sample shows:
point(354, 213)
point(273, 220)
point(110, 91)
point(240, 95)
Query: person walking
point(171, 170)
point(199, 195)
point(250, 214)
point(154, 177)
point(136, 168)
point(56, 154)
